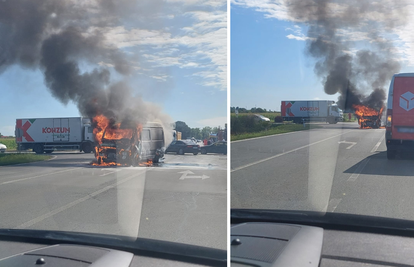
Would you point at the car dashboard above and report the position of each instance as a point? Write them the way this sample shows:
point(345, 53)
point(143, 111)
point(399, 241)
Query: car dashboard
point(255, 243)
point(63, 249)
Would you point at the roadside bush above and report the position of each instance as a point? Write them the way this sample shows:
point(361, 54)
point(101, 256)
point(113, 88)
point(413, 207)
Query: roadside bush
point(247, 124)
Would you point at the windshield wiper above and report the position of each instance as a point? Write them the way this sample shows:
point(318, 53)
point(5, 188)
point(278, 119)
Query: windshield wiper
point(327, 220)
point(138, 246)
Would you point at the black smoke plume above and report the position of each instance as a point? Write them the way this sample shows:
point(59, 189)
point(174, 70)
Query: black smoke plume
point(359, 77)
point(61, 37)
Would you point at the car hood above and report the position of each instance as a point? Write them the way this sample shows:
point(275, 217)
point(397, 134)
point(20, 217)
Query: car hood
point(3, 146)
point(138, 246)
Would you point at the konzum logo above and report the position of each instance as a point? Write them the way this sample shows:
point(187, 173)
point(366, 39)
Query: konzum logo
point(56, 130)
point(309, 108)
point(407, 101)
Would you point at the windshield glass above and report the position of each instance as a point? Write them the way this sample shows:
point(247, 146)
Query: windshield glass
point(92, 94)
point(293, 60)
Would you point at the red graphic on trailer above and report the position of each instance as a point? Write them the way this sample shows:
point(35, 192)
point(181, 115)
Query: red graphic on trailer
point(286, 108)
point(23, 128)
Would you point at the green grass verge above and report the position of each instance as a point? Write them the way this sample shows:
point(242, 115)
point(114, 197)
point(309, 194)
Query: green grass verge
point(283, 128)
point(9, 159)
point(9, 142)
point(270, 115)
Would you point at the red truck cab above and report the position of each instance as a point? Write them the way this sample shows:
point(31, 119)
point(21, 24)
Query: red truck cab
point(399, 128)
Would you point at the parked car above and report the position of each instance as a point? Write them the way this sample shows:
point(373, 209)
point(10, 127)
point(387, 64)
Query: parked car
point(217, 147)
point(261, 117)
point(3, 148)
point(183, 146)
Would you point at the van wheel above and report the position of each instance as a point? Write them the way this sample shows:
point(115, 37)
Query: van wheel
point(38, 148)
point(180, 152)
point(391, 154)
point(48, 151)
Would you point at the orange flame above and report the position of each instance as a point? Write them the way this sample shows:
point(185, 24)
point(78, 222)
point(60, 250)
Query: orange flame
point(362, 112)
point(103, 129)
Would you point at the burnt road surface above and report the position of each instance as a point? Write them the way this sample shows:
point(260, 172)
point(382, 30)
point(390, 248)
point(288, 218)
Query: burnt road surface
point(182, 200)
point(336, 168)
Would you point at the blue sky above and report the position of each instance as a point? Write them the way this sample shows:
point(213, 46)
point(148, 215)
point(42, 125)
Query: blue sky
point(179, 58)
point(268, 61)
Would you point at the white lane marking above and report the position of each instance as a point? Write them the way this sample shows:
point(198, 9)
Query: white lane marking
point(333, 204)
point(33, 177)
point(345, 142)
point(378, 144)
point(287, 152)
point(186, 176)
point(358, 171)
point(105, 174)
point(73, 203)
point(260, 137)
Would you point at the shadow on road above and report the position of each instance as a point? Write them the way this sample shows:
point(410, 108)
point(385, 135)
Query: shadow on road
point(378, 164)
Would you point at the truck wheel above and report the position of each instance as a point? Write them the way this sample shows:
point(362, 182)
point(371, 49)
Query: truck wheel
point(203, 151)
point(48, 151)
point(99, 160)
point(38, 148)
point(391, 154)
point(195, 153)
point(180, 152)
point(87, 148)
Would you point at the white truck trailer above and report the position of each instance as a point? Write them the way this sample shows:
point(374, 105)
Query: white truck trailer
point(44, 135)
point(314, 110)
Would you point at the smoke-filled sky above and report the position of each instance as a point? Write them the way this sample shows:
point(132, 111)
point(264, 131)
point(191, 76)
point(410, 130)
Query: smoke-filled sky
point(163, 59)
point(345, 51)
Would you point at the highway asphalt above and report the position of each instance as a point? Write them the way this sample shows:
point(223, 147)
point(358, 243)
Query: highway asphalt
point(336, 168)
point(182, 200)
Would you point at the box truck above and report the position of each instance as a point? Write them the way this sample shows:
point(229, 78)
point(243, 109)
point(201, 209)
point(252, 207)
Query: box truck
point(44, 135)
point(399, 126)
point(314, 110)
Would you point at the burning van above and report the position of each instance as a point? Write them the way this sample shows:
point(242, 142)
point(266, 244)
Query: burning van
point(368, 117)
point(126, 144)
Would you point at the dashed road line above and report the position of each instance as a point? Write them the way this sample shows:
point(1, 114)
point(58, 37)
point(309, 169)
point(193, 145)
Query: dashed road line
point(333, 204)
point(74, 203)
point(377, 145)
point(105, 174)
point(287, 152)
point(358, 171)
point(38, 176)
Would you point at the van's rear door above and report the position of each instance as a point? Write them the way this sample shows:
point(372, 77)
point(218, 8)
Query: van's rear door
point(403, 108)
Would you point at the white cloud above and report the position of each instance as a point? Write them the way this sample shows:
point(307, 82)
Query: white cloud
point(299, 38)
point(201, 45)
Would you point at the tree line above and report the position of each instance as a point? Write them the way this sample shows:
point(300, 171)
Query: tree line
point(252, 110)
point(197, 133)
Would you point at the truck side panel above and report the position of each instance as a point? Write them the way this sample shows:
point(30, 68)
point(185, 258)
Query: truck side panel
point(49, 130)
point(305, 109)
point(403, 108)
